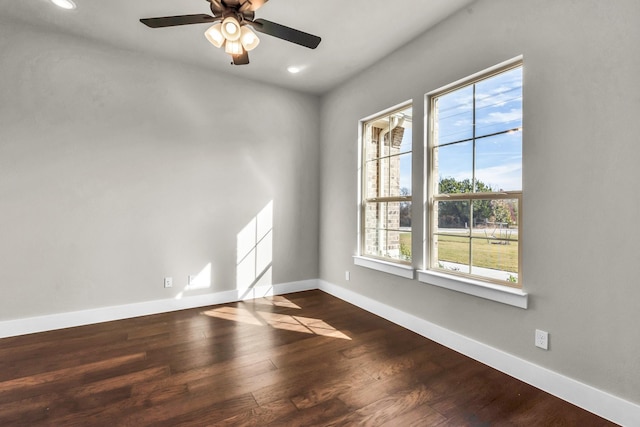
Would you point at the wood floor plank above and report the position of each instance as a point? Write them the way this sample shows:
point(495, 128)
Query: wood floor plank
point(331, 388)
point(320, 415)
point(270, 413)
point(196, 410)
point(420, 416)
point(27, 385)
point(386, 409)
point(293, 360)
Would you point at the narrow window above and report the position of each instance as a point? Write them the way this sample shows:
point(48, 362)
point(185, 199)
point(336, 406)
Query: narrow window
point(386, 186)
point(475, 178)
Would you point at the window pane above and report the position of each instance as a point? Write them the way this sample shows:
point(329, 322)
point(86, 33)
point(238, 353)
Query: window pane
point(405, 174)
point(495, 240)
point(495, 259)
point(390, 176)
point(384, 173)
point(394, 164)
point(454, 164)
point(371, 179)
point(482, 213)
point(454, 116)
point(405, 216)
point(502, 218)
point(370, 148)
point(499, 103)
point(499, 162)
point(401, 125)
point(383, 230)
point(377, 136)
point(453, 217)
point(378, 178)
point(452, 253)
point(499, 117)
point(374, 219)
point(405, 245)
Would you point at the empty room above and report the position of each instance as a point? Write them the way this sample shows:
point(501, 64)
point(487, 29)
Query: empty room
point(319, 212)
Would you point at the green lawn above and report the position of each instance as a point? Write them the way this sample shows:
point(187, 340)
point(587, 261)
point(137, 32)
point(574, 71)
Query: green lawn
point(486, 252)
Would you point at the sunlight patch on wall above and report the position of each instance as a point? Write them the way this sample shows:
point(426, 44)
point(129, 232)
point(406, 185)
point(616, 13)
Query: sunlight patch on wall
point(255, 253)
point(202, 280)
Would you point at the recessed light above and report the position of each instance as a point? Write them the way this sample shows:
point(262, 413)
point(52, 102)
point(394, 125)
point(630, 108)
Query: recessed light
point(294, 70)
point(65, 4)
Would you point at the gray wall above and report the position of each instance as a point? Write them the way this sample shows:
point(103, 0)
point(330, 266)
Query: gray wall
point(117, 170)
point(581, 205)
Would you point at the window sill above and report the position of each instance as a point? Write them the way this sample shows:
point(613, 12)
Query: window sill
point(405, 271)
point(502, 294)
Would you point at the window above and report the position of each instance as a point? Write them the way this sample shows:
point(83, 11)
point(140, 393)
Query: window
point(385, 216)
point(475, 178)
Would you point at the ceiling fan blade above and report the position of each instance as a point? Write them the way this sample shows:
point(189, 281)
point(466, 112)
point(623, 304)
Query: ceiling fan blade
point(286, 33)
point(172, 21)
point(241, 59)
point(252, 5)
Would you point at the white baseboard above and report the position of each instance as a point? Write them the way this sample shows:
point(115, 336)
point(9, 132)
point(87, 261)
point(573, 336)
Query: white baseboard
point(9, 328)
point(613, 408)
point(607, 406)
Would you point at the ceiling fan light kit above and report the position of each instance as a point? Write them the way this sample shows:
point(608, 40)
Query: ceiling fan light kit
point(248, 39)
point(214, 35)
point(233, 47)
point(233, 20)
point(232, 36)
point(231, 28)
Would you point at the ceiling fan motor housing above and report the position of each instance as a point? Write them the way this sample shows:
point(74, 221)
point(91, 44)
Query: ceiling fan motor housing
point(222, 9)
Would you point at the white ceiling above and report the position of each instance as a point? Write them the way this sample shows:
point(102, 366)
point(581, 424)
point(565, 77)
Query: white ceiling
point(355, 33)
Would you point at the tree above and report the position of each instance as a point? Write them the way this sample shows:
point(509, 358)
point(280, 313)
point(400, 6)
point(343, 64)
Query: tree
point(504, 211)
point(455, 214)
point(451, 185)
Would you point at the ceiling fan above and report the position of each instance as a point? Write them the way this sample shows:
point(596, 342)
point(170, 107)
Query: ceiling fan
point(232, 19)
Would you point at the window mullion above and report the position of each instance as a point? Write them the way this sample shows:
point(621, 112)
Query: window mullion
point(470, 235)
point(473, 152)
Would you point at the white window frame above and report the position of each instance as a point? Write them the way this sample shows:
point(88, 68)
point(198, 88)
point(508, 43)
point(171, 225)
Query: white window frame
point(462, 282)
point(385, 264)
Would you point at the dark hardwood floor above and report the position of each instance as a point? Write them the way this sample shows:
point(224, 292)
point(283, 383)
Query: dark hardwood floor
point(302, 359)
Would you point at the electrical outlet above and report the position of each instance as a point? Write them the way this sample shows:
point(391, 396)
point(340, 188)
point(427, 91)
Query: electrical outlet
point(347, 275)
point(542, 339)
point(168, 282)
point(191, 279)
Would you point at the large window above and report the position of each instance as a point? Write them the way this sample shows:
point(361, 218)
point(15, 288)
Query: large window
point(386, 186)
point(475, 178)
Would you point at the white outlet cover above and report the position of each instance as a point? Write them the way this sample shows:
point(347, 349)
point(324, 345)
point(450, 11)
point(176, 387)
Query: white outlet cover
point(168, 282)
point(542, 339)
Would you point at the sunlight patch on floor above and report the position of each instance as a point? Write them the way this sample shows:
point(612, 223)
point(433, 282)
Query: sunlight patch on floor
point(234, 314)
point(307, 325)
point(276, 300)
